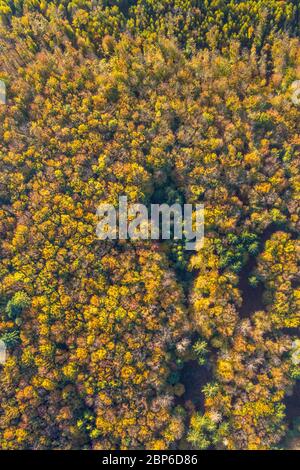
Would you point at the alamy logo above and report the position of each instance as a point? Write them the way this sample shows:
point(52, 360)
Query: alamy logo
point(296, 92)
point(133, 221)
point(2, 352)
point(2, 92)
point(296, 352)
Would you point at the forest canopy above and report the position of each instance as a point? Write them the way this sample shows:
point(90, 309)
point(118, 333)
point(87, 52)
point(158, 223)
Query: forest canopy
point(178, 101)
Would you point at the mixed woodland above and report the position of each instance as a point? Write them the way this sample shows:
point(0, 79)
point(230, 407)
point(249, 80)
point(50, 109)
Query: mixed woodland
point(185, 101)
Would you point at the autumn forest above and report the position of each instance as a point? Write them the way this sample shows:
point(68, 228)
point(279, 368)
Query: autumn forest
point(142, 344)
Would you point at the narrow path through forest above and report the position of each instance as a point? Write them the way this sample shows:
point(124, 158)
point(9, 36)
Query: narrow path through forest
point(194, 376)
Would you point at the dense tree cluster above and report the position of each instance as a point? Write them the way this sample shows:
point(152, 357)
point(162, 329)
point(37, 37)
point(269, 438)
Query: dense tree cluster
point(166, 101)
point(192, 23)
